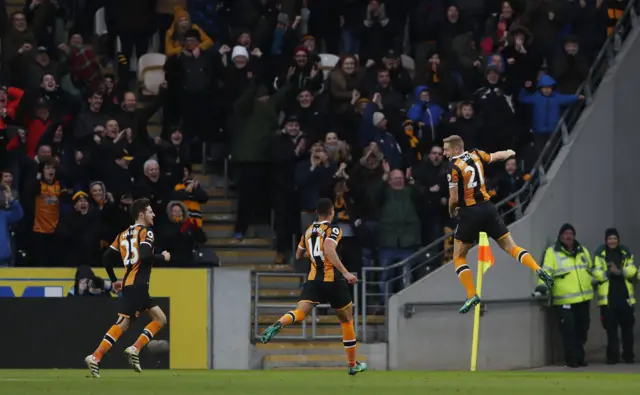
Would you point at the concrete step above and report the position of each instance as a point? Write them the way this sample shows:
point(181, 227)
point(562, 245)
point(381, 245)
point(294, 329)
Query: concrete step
point(220, 193)
point(277, 294)
point(276, 307)
point(298, 347)
point(268, 319)
point(231, 257)
point(218, 218)
point(231, 243)
point(226, 230)
point(219, 206)
point(280, 282)
point(296, 330)
point(263, 268)
point(307, 361)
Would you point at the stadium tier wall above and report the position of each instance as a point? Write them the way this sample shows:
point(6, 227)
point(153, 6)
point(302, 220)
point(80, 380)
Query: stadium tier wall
point(64, 330)
point(592, 185)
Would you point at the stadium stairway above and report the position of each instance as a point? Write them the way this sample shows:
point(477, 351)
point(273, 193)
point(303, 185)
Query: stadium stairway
point(255, 253)
point(306, 353)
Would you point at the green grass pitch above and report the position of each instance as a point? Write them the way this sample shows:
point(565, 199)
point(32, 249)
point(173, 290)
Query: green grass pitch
point(283, 382)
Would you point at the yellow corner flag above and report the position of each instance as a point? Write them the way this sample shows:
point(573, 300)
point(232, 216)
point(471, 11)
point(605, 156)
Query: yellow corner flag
point(485, 261)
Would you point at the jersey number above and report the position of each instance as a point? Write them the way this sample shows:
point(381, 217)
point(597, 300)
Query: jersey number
point(472, 178)
point(314, 247)
point(131, 252)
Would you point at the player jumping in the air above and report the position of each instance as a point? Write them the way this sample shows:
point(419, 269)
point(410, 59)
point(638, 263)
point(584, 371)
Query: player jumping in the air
point(134, 248)
point(326, 282)
point(469, 201)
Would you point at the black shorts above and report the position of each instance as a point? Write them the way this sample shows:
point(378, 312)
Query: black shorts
point(135, 300)
point(482, 217)
point(319, 292)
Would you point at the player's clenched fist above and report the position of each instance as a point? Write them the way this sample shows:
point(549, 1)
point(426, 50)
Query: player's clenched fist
point(351, 279)
point(166, 255)
point(117, 287)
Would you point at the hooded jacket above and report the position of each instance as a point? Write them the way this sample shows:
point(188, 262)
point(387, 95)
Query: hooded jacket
point(180, 239)
point(428, 113)
point(547, 110)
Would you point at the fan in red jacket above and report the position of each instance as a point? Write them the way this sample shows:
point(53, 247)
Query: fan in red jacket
point(9, 100)
point(35, 127)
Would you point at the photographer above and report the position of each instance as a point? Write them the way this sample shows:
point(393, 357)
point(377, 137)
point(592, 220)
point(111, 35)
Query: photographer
point(88, 284)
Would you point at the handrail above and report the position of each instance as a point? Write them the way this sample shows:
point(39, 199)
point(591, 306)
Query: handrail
point(558, 139)
point(410, 309)
point(257, 305)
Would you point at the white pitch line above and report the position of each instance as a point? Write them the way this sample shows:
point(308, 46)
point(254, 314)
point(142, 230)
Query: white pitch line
point(25, 379)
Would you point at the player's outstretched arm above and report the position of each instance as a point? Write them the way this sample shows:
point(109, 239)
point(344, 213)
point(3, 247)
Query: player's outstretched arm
point(502, 155)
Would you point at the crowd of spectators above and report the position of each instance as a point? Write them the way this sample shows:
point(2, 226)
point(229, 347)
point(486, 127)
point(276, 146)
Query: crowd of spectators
point(247, 78)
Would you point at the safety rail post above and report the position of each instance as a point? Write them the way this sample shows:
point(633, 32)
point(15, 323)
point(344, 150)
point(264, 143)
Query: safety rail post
point(272, 223)
point(363, 309)
point(226, 176)
point(256, 305)
point(355, 308)
point(204, 158)
point(313, 323)
point(565, 132)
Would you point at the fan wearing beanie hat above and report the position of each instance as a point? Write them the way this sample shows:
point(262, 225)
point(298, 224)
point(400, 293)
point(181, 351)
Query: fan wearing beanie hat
point(615, 272)
point(181, 30)
point(567, 236)
point(379, 120)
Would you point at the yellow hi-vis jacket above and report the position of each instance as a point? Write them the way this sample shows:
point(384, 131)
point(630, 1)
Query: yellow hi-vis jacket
point(571, 272)
point(600, 273)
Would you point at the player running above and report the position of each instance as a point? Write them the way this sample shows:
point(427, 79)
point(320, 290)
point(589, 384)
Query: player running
point(134, 248)
point(326, 282)
point(469, 201)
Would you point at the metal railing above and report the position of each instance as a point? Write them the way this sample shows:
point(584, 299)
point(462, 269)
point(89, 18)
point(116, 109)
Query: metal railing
point(432, 256)
point(304, 333)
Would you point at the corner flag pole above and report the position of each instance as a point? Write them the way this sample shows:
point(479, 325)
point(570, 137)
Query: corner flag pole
point(485, 261)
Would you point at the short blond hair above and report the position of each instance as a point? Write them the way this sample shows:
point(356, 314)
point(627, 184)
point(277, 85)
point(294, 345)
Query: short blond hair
point(454, 141)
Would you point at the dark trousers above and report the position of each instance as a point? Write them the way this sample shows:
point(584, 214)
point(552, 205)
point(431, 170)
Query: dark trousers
point(129, 41)
point(137, 40)
point(539, 141)
point(44, 250)
point(287, 219)
point(164, 22)
point(620, 316)
point(253, 198)
point(574, 326)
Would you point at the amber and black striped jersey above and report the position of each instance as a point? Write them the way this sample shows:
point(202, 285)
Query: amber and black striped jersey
point(313, 242)
point(467, 173)
point(130, 244)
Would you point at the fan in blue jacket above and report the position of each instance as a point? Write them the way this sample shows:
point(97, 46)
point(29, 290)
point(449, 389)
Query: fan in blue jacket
point(547, 104)
point(8, 216)
point(423, 112)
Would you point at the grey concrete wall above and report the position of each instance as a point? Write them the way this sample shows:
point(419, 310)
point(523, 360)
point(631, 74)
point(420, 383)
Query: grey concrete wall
point(231, 298)
point(592, 184)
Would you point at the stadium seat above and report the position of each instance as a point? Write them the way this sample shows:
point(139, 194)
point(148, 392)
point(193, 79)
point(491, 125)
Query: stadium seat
point(408, 63)
point(100, 23)
point(327, 63)
point(151, 72)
